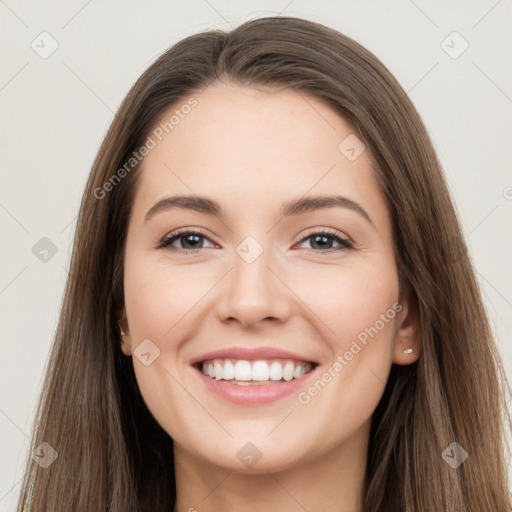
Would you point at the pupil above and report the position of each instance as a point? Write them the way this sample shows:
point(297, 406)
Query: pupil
point(323, 237)
point(187, 238)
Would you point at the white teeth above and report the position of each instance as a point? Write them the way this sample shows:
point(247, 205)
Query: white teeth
point(229, 370)
point(276, 371)
point(218, 370)
point(260, 370)
point(288, 371)
point(243, 371)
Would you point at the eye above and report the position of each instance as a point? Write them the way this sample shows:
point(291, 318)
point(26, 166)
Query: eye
point(191, 241)
point(188, 237)
point(323, 240)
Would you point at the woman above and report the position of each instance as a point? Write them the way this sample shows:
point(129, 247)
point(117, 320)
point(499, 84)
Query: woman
point(270, 303)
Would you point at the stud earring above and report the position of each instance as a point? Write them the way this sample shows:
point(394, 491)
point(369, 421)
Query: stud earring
point(408, 351)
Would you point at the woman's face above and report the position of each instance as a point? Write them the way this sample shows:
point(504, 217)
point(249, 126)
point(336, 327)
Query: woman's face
point(259, 281)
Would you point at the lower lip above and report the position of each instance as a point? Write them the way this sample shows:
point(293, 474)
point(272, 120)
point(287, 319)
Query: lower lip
point(253, 394)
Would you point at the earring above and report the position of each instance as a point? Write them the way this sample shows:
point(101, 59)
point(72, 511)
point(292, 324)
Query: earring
point(408, 351)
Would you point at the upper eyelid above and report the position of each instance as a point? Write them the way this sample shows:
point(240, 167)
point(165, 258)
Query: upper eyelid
point(185, 231)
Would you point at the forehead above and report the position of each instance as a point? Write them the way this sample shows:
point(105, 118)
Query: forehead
point(248, 147)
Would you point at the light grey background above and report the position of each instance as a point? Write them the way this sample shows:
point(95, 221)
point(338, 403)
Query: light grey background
point(55, 111)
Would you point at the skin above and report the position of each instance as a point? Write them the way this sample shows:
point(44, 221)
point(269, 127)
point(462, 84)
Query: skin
point(235, 146)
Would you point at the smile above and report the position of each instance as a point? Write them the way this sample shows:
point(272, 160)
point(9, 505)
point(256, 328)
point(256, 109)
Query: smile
point(254, 382)
point(259, 372)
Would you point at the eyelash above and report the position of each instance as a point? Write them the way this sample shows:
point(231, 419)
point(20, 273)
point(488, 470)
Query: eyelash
point(168, 240)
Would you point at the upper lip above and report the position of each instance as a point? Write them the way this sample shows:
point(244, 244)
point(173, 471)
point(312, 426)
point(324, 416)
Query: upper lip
point(250, 354)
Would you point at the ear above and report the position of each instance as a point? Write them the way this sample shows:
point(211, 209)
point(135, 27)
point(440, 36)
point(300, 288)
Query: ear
point(126, 345)
point(408, 333)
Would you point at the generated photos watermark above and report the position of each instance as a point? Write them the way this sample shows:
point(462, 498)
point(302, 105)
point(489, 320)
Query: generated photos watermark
point(156, 136)
point(342, 360)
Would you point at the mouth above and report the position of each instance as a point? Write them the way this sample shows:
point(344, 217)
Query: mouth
point(261, 372)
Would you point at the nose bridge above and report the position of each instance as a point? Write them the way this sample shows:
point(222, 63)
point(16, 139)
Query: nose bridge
point(253, 292)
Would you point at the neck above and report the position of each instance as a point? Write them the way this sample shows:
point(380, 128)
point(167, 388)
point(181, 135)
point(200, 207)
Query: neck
point(331, 482)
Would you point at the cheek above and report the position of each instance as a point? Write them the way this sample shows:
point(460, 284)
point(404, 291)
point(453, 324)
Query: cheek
point(160, 300)
point(358, 310)
point(158, 296)
point(350, 300)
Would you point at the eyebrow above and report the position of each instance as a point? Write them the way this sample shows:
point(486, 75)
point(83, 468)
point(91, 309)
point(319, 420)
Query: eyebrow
point(294, 207)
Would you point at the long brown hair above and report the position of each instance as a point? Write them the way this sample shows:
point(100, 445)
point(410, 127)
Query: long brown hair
point(113, 455)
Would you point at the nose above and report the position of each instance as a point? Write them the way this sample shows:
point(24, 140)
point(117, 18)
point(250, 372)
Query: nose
point(253, 292)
